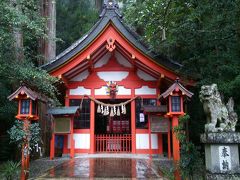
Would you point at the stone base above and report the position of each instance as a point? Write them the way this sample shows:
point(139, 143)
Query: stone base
point(220, 138)
point(214, 176)
point(221, 154)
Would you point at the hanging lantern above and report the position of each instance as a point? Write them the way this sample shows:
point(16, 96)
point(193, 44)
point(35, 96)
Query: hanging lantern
point(141, 117)
point(118, 111)
point(98, 109)
point(111, 113)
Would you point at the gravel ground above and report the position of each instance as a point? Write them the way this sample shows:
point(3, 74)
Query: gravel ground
point(40, 166)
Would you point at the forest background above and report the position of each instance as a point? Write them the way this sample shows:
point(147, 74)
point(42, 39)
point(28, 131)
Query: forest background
point(203, 35)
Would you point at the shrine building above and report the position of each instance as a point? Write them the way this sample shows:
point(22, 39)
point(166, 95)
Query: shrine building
point(120, 97)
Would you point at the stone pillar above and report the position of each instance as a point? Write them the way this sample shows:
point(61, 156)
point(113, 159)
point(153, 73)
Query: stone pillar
point(222, 155)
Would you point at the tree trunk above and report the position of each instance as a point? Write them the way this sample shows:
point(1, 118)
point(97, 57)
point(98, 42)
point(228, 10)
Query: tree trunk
point(18, 35)
point(99, 5)
point(47, 47)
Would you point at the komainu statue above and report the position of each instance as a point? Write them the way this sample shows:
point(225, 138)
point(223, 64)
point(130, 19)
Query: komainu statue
point(220, 117)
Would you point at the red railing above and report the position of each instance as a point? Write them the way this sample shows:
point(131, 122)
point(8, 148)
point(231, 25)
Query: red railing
point(113, 142)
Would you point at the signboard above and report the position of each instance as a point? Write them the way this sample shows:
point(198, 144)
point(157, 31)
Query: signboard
point(225, 158)
point(62, 125)
point(159, 124)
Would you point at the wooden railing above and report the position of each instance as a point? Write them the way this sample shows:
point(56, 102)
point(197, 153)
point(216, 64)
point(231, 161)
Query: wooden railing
point(113, 142)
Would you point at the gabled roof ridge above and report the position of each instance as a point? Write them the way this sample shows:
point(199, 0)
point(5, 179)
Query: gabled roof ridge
point(110, 15)
point(173, 87)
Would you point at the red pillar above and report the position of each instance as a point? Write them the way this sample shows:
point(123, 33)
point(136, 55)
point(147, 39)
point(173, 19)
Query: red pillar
point(25, 154)
point(176, 144)
point(92, 127)
point(149, 136)
point(72, 140)
point(133, 127)
point(169, 142)
point(24, 164)
point(52, 143)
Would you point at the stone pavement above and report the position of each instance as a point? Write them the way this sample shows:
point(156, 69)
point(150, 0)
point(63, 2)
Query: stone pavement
point(106, 166)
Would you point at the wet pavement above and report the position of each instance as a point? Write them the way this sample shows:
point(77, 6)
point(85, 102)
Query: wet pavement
point(104, 168)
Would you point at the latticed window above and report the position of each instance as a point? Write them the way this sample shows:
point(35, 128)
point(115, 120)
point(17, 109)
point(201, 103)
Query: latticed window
point(146, 102)
point(176, 104)
point(25, 106)
point(82, 121)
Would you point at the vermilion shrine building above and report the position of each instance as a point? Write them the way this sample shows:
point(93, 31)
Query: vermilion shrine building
point(130, 98)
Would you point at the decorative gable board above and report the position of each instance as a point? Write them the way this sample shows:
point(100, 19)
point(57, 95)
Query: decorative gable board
point(81, 76)
point(122, 60)
point(103, 61)
point(146, 77)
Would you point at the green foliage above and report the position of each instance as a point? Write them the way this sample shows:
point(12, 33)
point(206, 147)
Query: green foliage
point(18, 135)
point(74, 19)
point(168, 172)
point(7, 150)
point(191, 165)
point(9, 170)
point(202, 35)
point(21, 16)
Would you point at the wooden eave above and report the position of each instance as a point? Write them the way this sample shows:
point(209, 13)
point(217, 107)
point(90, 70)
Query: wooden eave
point(30, 93)
point(176, 85)
point(110, 18)
point(61, 111)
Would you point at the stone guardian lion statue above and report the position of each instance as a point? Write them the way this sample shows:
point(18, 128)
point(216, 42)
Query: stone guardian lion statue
point(220, 117)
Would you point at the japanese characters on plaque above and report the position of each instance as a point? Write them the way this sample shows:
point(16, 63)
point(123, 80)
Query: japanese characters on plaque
point(225, 158)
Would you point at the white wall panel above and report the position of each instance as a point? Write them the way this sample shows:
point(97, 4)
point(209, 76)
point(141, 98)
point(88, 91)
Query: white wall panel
point(123, 91)
point(82, 141)
point(142, 141)
point(113, 75)
point(145, 90)
point(80, 90)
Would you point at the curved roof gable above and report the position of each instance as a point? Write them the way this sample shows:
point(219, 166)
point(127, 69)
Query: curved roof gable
point(109, 15)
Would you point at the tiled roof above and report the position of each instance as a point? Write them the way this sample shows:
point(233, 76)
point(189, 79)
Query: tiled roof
point(110, 14)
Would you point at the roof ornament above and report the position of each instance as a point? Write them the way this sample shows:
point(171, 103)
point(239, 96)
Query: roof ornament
point(110, 4)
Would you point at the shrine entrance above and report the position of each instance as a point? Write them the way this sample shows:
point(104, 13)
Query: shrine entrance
point(113, 133)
